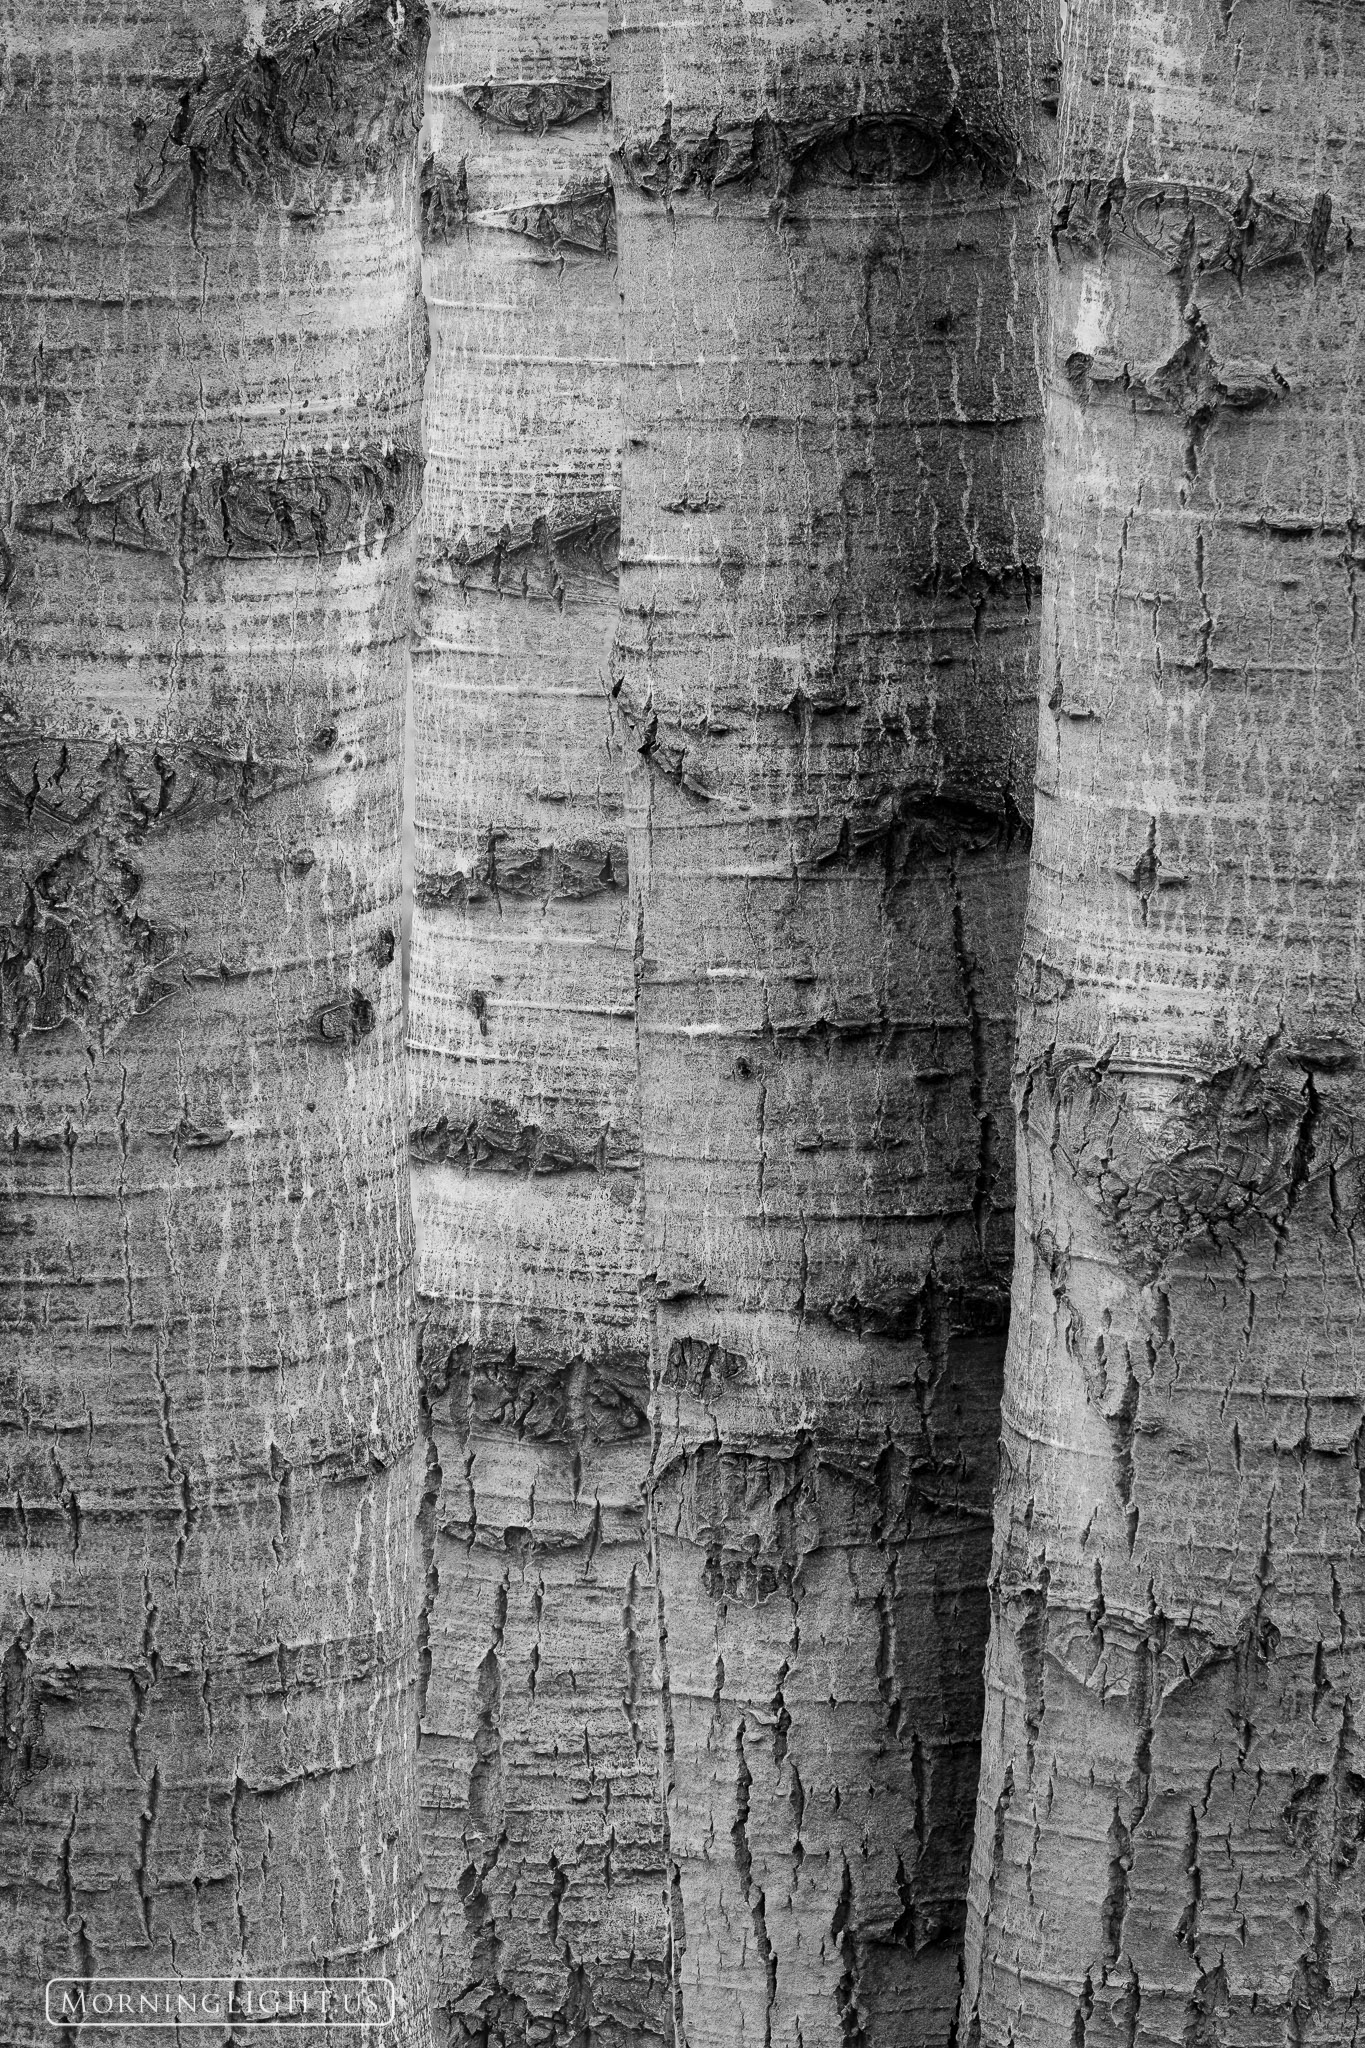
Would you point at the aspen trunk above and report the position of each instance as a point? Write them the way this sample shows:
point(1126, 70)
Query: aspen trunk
point(539, 1745)
point(829, 260)
point(1173, 1783)
point(210, 370)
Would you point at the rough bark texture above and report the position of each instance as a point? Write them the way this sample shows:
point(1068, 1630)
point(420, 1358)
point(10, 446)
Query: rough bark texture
point(210, 366)
point(1173, 1787)
point(539, 1734)
point(830, 261)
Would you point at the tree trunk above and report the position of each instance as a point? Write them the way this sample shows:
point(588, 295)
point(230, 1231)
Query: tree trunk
point(829, 263)
point(1173, 1785)
point(211, 370)
point(539, 1750)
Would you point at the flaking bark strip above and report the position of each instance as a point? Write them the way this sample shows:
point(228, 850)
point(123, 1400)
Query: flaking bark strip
point(165, 785)
point(537, 560)
point(497, 1141)
point(248, 509)
point(570, 873)
point(877, 149)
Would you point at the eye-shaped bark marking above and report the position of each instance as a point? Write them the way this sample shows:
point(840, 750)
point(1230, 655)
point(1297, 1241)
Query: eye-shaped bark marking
point(887, 149)
point(537, 104)
point(346, 1021)
point(1199, 228)
point(254, 508)
point(580, 217)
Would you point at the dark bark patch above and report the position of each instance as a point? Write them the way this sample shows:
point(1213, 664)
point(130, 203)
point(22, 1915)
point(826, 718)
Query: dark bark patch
point(252, 509)
point(78, 948)
point(783, 158)
point(757, 1513)
point(496, 1139)
point(21, 1717)
point(163, 787)
point(341, 100)
point(696, 1367)
point(444, 201)
point(345, 1021)
point(1223, 1151)
point(1190, 382)
point(580, 217)
point(576, 1401)
point(535, 105)
point(544, 561)
point(572, 872)
point(916, 826)
point(899, 1313)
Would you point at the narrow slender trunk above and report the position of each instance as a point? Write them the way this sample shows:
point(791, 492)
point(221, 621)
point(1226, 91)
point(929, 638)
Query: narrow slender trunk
point(1173, 1783)
point(210, 370)
point(539, 1751)
point(829, 257)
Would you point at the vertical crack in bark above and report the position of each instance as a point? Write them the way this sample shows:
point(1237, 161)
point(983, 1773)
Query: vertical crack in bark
point(752, 1893)
point(986, 1169)
point(676, 1914)
point(851, 2030)
point(427, 1522)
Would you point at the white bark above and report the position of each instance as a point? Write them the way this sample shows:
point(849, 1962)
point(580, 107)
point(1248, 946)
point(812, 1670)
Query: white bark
point(210, 367)
point(1171, 1795)
point(829, 259)
point(539, 1752)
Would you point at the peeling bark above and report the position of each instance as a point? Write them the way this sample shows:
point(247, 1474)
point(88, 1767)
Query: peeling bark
point(212, 355)
point(1172, 1754)
point(830, 230)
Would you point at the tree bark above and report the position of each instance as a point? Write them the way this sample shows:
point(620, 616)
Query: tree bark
point(829, 253)
point(1173, 1786)
point(211, 362)
point(539, 1747)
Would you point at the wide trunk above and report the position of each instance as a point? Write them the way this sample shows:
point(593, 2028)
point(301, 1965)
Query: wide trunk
point(539, 1738)
point(210, 369)
point(1173, 1785)
point(829, 255)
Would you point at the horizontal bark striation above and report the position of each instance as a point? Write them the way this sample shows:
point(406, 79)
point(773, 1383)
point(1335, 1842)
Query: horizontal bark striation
point(1169, 1815)
point(539, 1718)
point(828, 550)
point(208, 1623)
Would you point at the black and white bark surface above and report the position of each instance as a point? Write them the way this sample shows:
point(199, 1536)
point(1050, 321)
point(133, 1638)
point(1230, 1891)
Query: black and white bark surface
point(830, 243)
point(210, 371)
point(1173, 1786)
point(539, 1717)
